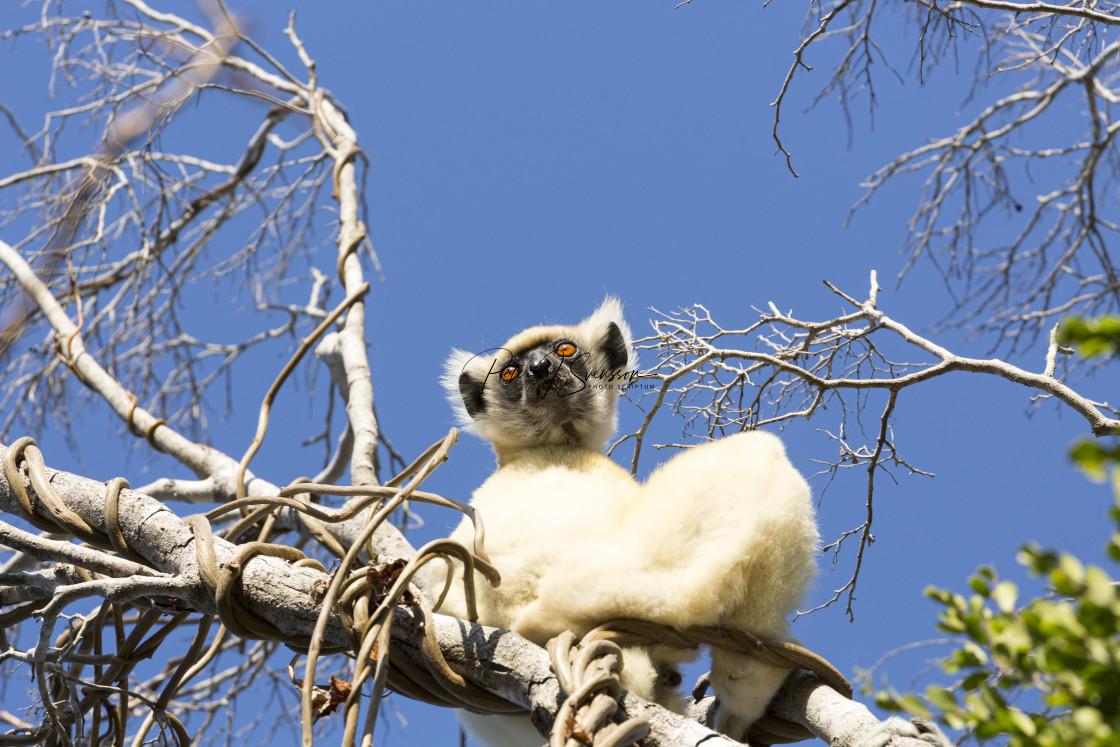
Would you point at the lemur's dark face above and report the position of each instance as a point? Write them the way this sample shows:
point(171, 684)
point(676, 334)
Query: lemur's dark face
point(546, 389)
point(557, 368)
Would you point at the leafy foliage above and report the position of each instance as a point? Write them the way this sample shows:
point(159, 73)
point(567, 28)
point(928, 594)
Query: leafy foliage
point(1059, 653)
point(1092, 337)
point(1096, 460)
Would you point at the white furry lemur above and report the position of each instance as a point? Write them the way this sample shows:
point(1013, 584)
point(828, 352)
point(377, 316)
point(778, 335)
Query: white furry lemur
point(723, 533)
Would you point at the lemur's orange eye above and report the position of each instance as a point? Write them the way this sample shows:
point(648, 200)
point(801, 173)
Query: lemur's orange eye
point(565, 350)
point(509, 373)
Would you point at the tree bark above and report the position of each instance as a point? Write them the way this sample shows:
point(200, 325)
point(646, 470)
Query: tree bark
point(498, 661)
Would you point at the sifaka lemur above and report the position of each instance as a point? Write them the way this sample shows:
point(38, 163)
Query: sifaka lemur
point(723, 533)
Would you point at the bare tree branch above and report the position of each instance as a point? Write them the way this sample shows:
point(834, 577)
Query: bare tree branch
point(118, 235)
point(1038, 162)
point(788, 369)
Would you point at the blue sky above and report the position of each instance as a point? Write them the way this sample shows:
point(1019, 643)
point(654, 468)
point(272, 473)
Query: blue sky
point(527, 158)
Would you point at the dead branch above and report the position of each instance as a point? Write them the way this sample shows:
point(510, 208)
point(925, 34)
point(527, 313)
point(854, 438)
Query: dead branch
point(780, 369)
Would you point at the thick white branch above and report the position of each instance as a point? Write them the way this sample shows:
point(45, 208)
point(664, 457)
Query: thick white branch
point(217, 470)
point(499, 661)
point(351, 340)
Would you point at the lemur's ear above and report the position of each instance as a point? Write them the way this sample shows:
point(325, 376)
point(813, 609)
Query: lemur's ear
point(614, 347)
point(471, 390)
point(611, 334)
point(464, 377)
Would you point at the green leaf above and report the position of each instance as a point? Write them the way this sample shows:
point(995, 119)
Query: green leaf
point(1090, 457)
point(1005, 595)
point(942, 698)
point(1088, 720)
point(1022, 722)
point(1100, 589)
point(1093, 336)
point(1114, 548)
point(974, 680)
point(1073, 568)
point(913, 704)
point(980, 586)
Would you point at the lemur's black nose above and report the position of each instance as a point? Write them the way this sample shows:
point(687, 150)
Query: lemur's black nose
point(541, 368)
